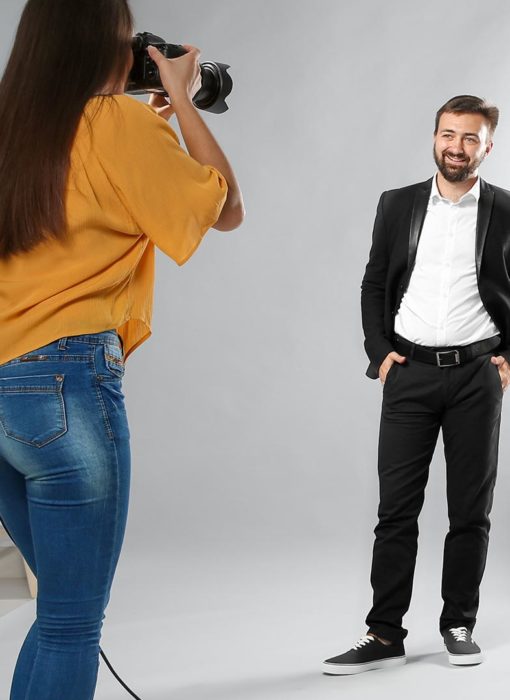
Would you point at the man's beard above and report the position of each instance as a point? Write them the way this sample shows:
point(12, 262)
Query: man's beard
point(460, 174)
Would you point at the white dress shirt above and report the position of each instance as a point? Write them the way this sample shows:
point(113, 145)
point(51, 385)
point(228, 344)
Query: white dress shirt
point(442, 304)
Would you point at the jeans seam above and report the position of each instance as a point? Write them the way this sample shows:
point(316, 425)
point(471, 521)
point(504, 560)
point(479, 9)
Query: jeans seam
point(97, 385)
point(111, 569)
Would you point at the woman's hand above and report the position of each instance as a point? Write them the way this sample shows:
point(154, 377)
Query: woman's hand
point(180, 76)
point(161, 105)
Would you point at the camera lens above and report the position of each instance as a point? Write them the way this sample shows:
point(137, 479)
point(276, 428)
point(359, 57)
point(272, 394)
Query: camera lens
point(216, 87)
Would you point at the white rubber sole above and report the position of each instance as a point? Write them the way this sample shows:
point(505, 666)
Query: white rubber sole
point(348, 670)
point(464, 659)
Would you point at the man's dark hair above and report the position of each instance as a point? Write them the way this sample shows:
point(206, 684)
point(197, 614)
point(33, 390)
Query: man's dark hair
point(469, 104)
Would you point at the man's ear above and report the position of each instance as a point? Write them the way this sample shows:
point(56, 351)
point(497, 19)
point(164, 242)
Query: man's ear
point(488, 148)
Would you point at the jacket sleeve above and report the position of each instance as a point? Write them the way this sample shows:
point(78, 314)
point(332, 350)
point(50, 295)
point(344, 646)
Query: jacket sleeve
point(373, 295)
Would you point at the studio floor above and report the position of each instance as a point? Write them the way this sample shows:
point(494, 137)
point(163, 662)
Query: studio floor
point(252, 626)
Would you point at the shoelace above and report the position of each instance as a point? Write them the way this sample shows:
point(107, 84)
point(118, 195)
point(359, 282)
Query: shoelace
point(362, 642)
point(460, 633)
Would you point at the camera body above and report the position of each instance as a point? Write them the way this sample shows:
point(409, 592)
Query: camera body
point(144, 76)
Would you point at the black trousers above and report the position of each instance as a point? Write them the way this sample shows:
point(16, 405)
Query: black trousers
point(418, 400)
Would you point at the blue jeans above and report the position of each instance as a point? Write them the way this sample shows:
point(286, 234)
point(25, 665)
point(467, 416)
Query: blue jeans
point(64, 490)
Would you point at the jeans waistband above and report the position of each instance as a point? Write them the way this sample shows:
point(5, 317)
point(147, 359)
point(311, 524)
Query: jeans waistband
point(92, 338)
point(59, 345)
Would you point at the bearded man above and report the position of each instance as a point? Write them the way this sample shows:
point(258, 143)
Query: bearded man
point(436, 318)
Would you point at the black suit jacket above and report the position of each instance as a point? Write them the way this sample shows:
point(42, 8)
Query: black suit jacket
point(397, 230)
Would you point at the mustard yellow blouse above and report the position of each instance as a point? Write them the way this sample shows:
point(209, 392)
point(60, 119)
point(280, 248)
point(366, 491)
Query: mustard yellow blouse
point(131, 188)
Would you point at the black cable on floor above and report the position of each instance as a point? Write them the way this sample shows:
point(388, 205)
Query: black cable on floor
point(117, 676)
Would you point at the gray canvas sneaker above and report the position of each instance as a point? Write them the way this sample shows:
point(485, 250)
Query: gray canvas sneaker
point(462, 650)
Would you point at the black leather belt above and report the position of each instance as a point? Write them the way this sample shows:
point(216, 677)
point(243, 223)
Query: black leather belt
point(445, 356)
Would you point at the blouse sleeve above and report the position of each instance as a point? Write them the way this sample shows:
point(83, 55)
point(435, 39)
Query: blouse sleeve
point(172, 198)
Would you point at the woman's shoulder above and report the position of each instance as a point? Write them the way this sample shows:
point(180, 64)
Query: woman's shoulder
point(121, 108)
point(119, 127)
point(116, 121)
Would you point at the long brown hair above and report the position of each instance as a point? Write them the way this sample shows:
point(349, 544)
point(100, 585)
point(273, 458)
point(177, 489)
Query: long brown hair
point(64, 53)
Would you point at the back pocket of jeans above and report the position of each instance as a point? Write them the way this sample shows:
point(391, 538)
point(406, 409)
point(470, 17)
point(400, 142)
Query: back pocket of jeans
point(114, 359)
point(32, 408)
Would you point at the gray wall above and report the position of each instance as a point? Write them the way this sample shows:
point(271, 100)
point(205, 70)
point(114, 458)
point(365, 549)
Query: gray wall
point(252, 422)
point(251, 416)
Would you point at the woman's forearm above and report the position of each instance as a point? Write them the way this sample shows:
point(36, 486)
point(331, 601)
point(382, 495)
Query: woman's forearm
point(203, 147)
point(181, 79)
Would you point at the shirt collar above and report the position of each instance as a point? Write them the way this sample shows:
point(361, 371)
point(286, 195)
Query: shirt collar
point(435, 195)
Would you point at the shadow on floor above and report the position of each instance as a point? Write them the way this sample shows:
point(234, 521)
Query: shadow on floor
point(437, 658)
point(246, 689)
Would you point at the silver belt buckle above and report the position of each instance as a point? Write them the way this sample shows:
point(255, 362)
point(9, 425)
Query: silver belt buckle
point(456, 354)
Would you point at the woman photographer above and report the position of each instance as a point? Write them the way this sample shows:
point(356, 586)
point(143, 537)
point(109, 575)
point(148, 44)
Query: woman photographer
point(91, 181)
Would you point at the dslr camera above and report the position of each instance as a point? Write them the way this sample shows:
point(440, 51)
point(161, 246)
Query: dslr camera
point(144, 76)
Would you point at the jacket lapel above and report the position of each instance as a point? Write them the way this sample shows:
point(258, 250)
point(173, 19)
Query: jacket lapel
point(421, 200)
point(482, 223)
